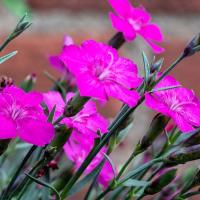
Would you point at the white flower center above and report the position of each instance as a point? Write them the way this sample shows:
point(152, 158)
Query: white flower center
point(136, 24)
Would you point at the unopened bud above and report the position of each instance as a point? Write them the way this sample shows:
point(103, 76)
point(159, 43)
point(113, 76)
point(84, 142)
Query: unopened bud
point(75, 105)
point(184, 155)
point(117, 41)
point(193, 46)
point(156, 128)
point(162, 180)
point(21, 27)
point(179, 185)
point(156, 66)
point(5, 81)
point(28, 83)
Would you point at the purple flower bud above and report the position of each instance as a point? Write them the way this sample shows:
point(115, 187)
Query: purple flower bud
point(193, 46)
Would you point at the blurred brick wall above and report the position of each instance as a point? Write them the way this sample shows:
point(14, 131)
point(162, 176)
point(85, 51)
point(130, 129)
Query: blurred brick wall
point(172, 6)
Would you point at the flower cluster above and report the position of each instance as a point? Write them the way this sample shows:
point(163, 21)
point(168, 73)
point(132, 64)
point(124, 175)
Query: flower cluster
point(96, 72)
point(85, 126)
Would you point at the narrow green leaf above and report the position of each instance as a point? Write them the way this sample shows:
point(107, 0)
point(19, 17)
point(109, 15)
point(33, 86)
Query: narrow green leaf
point(45, 185)
point(135, 183)
point(134, 172)
point(51, 114)
point(146, 67)
point(164, 88)
point(77, 187)
point(8, 56)
point(111, 163)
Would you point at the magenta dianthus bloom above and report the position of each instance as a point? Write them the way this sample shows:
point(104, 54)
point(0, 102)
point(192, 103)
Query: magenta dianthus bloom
point(88, 121)
point(180, 104)
point(132, 21)
point(101, 73)
point(77, 149)
point(21, 115)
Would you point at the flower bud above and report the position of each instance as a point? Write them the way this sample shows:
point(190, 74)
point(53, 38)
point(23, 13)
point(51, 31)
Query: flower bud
point(21, 27)
point(179, 185)
point(184, 155)
point(156, 66)
point(28, 83)
point(5, 81)
point(75, 105)
point(193, 46)
point(163, 178)
point(156, 128)
point(117, 40)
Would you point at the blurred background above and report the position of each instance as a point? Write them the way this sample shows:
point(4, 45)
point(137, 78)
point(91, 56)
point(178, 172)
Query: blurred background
point(88, 19)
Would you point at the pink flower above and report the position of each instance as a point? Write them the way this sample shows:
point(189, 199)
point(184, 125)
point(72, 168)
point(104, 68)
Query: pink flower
point(101, 73)
point(132, 21)
point(77, 149)
point(58, 64)
point(85, 125)
point(179, 103)
point(88, 121)
point(21, 115)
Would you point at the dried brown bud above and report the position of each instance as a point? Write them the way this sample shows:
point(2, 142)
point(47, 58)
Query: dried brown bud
point(5, 81)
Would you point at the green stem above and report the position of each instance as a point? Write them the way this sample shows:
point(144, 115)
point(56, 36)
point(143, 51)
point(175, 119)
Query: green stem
point(5, 43)
point(28, 155)
point(169, 69)
point(124, 167)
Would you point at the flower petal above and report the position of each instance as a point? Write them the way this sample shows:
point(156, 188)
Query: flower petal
point(182, 124)
point(7, 128)
point(152, 33)
point(129, 97)
point(121, 7)
point(152, 102)
point(36, 132)
point(123, 26)
point(90, 87)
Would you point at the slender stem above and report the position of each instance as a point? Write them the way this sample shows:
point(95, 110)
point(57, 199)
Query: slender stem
point(169, 69)
point(103, 193)
point(126, 164)
point(28, 155)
